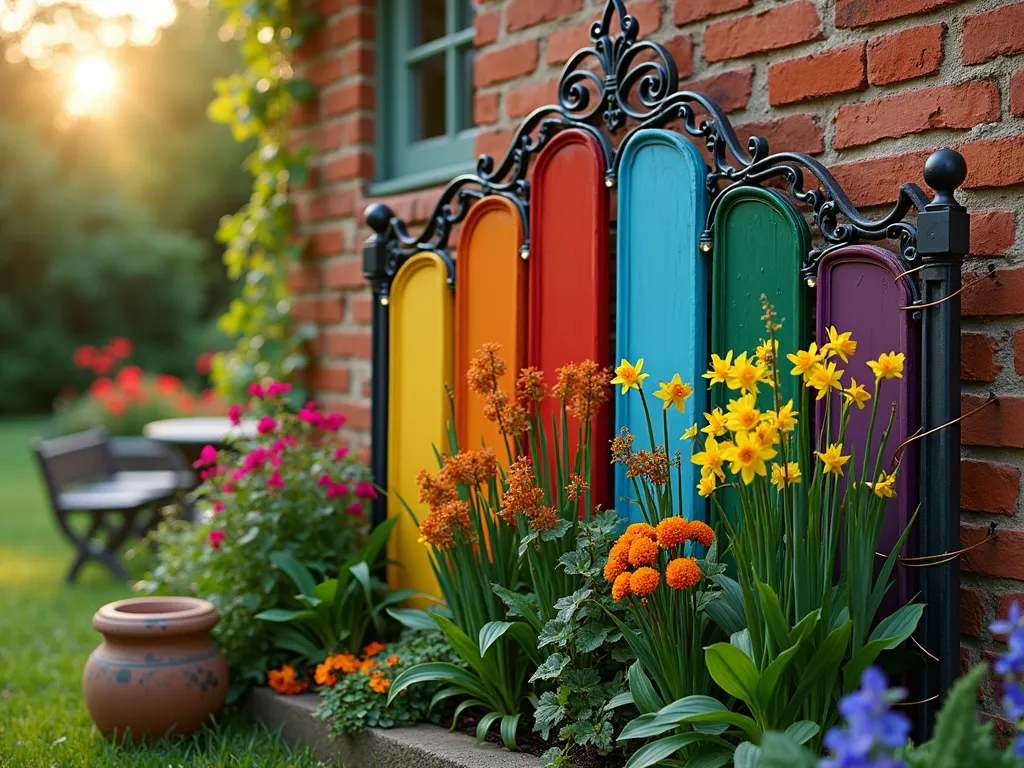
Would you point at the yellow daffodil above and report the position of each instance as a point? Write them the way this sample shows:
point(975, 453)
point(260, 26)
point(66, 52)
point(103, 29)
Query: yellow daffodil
point(743, 414)
point(888, 366)
point(785, 475)
point(839, 344)
point(785, 419)
point(747, 457)
point(744, 374)
point(707, 485)
point(833, 459)
point(674, 393)
point(719, 368)
point(690, 433)
point(884, 488)
point(767, 352)
point(710, 460)
point(629, 376)
point(716, 423)
point(766, 433)
point(857, 394)
point(805, 360)
point(824, 377)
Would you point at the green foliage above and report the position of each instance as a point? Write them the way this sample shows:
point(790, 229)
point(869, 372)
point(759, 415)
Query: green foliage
point(300, 519)
point(337, 612)
point(588, 650)
point(351, 705)
point(259, 241)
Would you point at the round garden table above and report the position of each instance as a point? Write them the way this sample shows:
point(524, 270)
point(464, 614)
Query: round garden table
point(189, 435)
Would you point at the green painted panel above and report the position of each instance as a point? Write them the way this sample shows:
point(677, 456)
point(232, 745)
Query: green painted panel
point(760, 240)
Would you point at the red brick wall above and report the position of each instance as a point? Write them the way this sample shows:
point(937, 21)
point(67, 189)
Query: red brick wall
point(868, 86)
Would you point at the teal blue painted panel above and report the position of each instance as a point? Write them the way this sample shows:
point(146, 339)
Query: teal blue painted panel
point(663, 290)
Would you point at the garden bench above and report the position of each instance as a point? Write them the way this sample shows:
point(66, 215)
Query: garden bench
point(107, 482)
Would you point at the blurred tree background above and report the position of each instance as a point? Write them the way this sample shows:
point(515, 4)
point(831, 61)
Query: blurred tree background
point(108, 209)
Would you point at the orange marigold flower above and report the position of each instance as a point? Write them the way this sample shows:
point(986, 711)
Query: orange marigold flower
point(613, 569)
point(345, 663)
point(622, 447)
point(374, 648)
point(325, 674)
point(673, 531)
point(621, 586)
point(641, 529)
point(682, 573)
point(702, 533)
point(283, 681)
point(379, 683)
point(530, 385)
point(367, 666)
point(620, 549)
point(485, 369)
point(392, 660)
point(440, 527)
point(642, 551)
point(576, 488)
point(644, 581)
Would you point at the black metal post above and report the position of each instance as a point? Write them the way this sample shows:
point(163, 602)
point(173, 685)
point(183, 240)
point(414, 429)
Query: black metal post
point(376, 252)
point(943, 237)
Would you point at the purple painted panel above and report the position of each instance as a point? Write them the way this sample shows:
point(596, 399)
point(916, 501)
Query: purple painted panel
point(858, 292)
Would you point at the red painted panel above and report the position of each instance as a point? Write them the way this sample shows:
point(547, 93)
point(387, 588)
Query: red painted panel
point(568, 307)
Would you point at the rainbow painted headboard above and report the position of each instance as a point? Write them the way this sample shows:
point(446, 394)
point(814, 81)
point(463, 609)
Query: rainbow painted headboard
point(659, 245)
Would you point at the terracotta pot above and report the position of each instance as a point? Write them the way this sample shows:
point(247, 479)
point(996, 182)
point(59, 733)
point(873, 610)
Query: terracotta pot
point(157, 672)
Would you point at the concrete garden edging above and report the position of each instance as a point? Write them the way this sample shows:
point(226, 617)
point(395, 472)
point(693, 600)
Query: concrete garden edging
point(422, 746)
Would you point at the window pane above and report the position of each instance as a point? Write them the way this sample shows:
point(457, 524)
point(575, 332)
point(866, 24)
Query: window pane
point(429, 20)
point(465, 13)
point(465, 86)
point(430, 93)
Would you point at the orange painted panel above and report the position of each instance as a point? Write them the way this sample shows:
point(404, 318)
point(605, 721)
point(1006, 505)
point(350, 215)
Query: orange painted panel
point(490, 305)
point(569, 307)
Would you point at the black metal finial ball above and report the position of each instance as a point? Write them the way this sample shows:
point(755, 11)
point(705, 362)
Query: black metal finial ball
point(945, 170)
point(378, 216)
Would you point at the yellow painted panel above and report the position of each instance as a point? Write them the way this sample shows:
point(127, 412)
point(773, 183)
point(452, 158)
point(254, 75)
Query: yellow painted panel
point(421, 368)
point(490, 301)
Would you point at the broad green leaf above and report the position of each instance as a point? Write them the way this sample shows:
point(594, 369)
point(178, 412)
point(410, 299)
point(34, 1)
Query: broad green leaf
point(519, 605)
point(281, 615)
point(744, 723)
point(509, 723)
point(463, 706)
point(804, 627)
point(733, 670)
point(310, 601)
point(821, 671)
point(413, 618)
point(645, 697)
point(295, 571)
point(467, 650)
point(326, 591)
point(551, 668)
point(889, 633)
point(768, 685)
point(361, 571)
point(485, 724)
point(445, 693)
point(774, 619)
point(656, 751)
point(727, 610)
point(709, 757)
point(377, 539)
point(442, 671)
point(398, 596)
point(670, 716)
point(741, 640)
point(619, 700)
point(490, 632)
point(293, 640)
point(524, 635)
point(782, 751)
point(803, 731)
point(747, 755)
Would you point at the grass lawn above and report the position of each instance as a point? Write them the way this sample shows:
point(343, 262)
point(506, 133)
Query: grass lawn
point(46, 635)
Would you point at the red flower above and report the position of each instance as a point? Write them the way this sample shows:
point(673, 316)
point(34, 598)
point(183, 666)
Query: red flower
point(341, 453)
point(203, 363)
point(101, 387)
point(355, 509)
point(116, 404)
point(365, 490)
point(310, 415)
point(130, 377)
point(103, 363)
point(256, 390)
point(186, 403)
point(216, 537)
point(218, 507)
point(167, 385)
point(332, 422)
point(266, 425)
point(206, 456)
point(84, 357)
point(278, 388)
point(229, 486)
point(119, 347)
point(275, 481)
point(235, 414)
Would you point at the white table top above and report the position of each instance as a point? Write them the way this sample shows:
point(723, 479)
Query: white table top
point(200, 430)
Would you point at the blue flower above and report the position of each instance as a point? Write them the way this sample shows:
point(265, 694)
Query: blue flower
point(1013, 699)
point(1010, 623)
point(872, 732)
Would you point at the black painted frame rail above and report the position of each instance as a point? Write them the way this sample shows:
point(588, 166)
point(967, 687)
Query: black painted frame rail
point(620, 77)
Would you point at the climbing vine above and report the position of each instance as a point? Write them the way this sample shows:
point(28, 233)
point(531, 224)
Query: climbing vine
point(257, 103)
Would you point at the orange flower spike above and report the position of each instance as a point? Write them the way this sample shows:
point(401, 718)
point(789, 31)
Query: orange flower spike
point(643, 551)
point(682, 573)
point(613, 569)
point(576, 488)
point(702, 533)
point(644, 581)
point(485, 369)
point(374, 648)
point(673, 531)
point(642, 529)
point(530, 385)
point(621, 587)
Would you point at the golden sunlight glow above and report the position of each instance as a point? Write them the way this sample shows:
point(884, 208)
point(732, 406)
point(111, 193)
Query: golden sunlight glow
point(93, 82)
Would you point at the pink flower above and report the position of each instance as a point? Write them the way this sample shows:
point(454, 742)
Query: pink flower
point(336, 489)
point(229, 486)
point(218, 507)
point(365, 490)
point(278, 388)
point(332, 422)
point(254, 460)
point(325, 480)
point(206, 456)
point(341, 453)
point(235, 414)
point(256, 390)
point(310, 415)
point(275, 460)
point(216, 537)
point(239, 473)
point(355, 509)
point(266, 425)
point(275, 481)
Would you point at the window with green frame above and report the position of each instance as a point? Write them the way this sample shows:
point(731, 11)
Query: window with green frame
point(425, 75)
